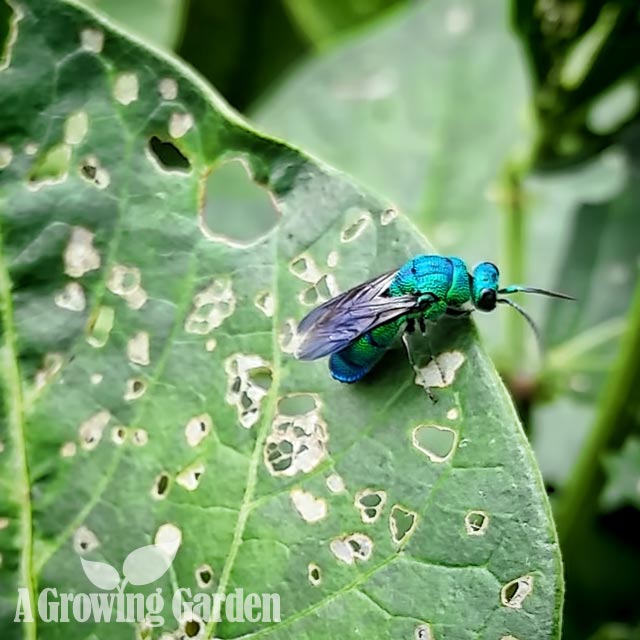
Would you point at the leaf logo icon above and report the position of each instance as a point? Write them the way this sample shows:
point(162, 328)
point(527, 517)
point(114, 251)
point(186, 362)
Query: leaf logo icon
point(101, 574)
point(146, 564)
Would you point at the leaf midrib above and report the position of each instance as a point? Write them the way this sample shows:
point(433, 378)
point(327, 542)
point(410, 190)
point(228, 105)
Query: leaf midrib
point(14, 401)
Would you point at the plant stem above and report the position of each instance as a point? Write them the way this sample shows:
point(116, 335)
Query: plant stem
point(514, 243)
point(578, 504)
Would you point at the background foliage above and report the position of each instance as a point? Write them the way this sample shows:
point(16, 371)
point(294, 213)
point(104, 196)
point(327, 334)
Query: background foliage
point(508, 134)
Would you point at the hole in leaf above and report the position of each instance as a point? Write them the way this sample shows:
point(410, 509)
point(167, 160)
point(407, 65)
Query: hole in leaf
point(236, 210)
point(402, 523)
point(436, 442)
point(314, 574)
point(262, 377)
point(514, 592)
point(100, 327)
point(297, 404)
point(204, 575)
point(192, 628)
point(476, 523)
point(169, 157)
point(52, 166)
point(161, 486)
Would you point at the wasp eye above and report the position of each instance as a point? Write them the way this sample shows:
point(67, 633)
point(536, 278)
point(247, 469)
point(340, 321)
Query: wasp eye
point(487, 300)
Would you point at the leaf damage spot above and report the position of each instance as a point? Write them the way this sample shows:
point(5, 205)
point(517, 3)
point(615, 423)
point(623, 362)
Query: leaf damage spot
point(160, 486)
point(211, 306)
point(168, 88)
point(52, 167)
point(436, 442)
point(314, 574)
point(71, 298)
point(248, 381)
point(84, 540)
point(4, 523)
point(388, 216)
point(335, 483)
point(99, 327)
point(197, 429)
point(92, 171)
point(51, 364)
point(125, 89)
point(441, 370)
point(305, 268)
point(423, 632)
point(204, 576)
point(236, 208)
point(68, 450)
point(92, 40)
point(166, 156)
point(126, 282)
point(296, 444)
point(332, 259)
point(140, 437)
point(476, 523)
point(118, 435)
point(453, 414)
point(135, 388)
point(138, 349)
point(96, 378)
point(513, 593)
point(288, 338)
point(31, 148)
point(352, 548)
point(189, 478)
point(264, 302)
point(355, 228)
point(168, 538)
point(323, 285)
point(211, 344)
point(6, 156)
point(80, 256)
point(90, 431)
point(310, 508)
point(180, 124)
point(76, 127)
point(370, 503)
point(325, 288)
point(402, 523)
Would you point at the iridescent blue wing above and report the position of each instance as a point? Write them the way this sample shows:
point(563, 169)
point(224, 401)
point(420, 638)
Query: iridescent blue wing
point(338, 322)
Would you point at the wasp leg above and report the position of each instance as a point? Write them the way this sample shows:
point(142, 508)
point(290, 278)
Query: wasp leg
point(407, 348)
point(454, 312)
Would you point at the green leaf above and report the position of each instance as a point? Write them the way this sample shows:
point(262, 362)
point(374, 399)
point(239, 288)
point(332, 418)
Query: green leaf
point(321, 22)
point(406, 106)
point(158, 22)
point(623, 471)
point(585, 75)
point(150, 398)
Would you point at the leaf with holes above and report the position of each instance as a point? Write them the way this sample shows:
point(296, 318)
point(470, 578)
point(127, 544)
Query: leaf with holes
point(156, 255)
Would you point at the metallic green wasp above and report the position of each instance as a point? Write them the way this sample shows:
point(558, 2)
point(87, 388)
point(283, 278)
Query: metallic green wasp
point(358, 326)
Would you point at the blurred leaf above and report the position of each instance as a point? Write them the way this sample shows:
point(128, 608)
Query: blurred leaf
point(149, 395)
point(584, 59)
point(406, 107)
point(158, 21)
point(623, 476)
point(241, 46)
point(321, 20)
point(596, 258)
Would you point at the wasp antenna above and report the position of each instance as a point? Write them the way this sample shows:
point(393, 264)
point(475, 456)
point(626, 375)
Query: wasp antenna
point(516, 288)
point(527, 317)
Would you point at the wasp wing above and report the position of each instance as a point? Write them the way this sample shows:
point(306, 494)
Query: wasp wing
point(336, 323)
